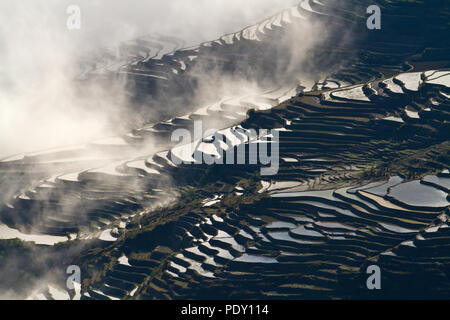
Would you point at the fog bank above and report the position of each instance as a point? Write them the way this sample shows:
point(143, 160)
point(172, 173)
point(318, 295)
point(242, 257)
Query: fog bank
point(42, 107)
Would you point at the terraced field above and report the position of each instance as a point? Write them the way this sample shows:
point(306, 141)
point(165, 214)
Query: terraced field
point(312, 229)
point(363, 169)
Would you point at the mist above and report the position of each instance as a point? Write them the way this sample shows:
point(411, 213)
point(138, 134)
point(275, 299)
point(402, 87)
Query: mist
point(43, 103)
point(41, 106)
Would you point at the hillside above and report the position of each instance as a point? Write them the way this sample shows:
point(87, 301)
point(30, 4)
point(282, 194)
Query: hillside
point(362, 118)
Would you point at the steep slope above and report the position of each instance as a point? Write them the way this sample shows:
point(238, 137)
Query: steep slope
point(355, 144)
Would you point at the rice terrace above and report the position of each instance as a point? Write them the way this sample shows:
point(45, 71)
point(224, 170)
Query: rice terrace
point(305, 155)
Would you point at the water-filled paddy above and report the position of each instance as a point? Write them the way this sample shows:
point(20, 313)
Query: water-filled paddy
point(419, 195)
